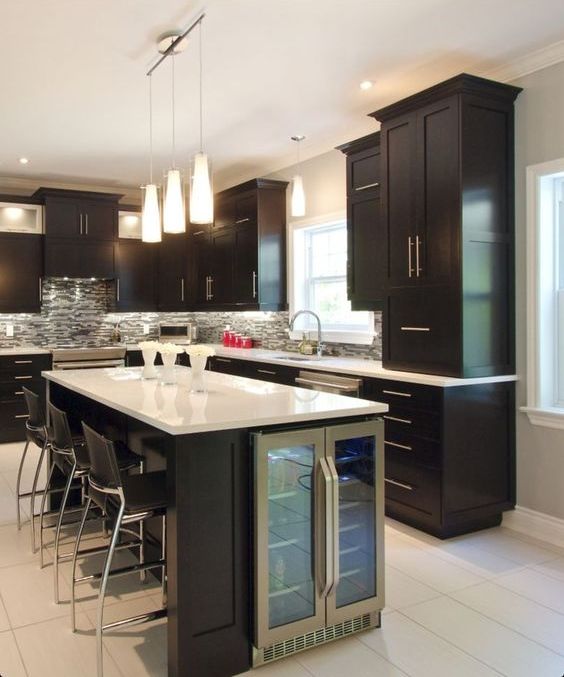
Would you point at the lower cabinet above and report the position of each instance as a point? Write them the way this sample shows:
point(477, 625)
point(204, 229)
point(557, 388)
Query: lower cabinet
point(261, 371)
point(450, 454)
point(17, 371)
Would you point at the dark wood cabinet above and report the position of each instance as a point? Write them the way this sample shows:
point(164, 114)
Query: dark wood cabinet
point(438, 479)
point(172, 281)
point(447, 217)
point(241, 261)
point(17, 371)
point(80, 232)
point(21, 263)
point(366, 237)
point(136, 280)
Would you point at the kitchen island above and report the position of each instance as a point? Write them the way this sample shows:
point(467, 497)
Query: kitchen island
point(224, 451)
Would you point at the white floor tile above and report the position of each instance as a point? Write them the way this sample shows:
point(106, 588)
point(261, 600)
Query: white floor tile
point(4, 621)
point(137, 649)
point(426, 567)
point(27, 592)
point(10, 660)
point(554, 568)
point(347, 657)
point(543, 589)
point(288, 667)
point(15, 546)
point(419, 652)
point(505, 543)
point(401, 590)
point(502, 649)
point(516, 612)
point(50, 649)
point(7, 504)
point(11, 454)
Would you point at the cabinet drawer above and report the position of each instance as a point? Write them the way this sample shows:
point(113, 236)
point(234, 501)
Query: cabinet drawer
point(363, 171)
point(410, 421)
point(413, 486)
point(227, 365)
point(404, 394)
point(411, 449)
point(274, 373)
point(12, 421)
point(18, 368)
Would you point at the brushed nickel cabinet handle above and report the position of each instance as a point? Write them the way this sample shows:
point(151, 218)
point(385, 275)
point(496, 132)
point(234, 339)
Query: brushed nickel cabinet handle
point(19, 392)
point(199, 232)
point(368, 185)
point(23, 378)
point(117, 289)
point(22, 416)
point(398, 420)
point(243, 220)
point(223, 359)
point(409, 262)
point(80, 218)
point(415, 328)
point(86, 223)
point(211, 281)
point(396, 392)
point(182, 289)
point(254, 284)
point(405, 447)
point(401, 485)
point(266, 371)
point(40, 290)
point(418, 268)
point(23, 361)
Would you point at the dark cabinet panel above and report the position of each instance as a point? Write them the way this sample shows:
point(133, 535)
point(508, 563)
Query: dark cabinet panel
point(21, 266)
point(76, 217)
point(172, 275)
point(221, 266)
point(363, 170)
point(99, 220)
point(62, 217)
point(69, 258)
point(245, 270)
point(199, 272)
point(136, 283)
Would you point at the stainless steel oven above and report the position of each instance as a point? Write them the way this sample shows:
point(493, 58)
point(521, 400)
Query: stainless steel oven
point(88, 358)
point(329, 383)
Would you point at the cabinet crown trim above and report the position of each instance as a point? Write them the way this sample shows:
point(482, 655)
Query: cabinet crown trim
point(460, 84)
point(363, 143)
point(42, 193)
point(253, 184)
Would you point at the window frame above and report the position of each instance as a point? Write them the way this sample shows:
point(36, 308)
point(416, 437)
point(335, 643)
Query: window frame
point(542, 296)
point(329, 335)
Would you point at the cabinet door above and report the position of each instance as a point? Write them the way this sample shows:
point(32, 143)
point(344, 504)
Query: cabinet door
point(99, 220)
point(172, 290)
point(363, 171)
point(367, 252)
point(221, 266)
point(438, 192)
point(224, 213)
point(355, 454)
point(63, 257)
point(246, 208)
point(62, 217)
point(136, 276)
point(398, 197)
point(291, 572)
point(21, 263)
point(245, 270)
point(198, 273)
point(96, 259)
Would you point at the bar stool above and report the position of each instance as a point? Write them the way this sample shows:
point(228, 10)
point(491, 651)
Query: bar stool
point(36, 433)
point(126, 500)
point(69, 454)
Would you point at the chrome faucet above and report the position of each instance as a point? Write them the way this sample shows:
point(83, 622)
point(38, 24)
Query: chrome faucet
point(316, 316)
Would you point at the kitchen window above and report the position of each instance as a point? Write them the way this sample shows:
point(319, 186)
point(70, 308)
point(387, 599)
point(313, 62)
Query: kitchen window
point(318, 282)
point(545, 294)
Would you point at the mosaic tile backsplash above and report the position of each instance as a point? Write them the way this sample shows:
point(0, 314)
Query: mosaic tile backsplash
point(81, 312)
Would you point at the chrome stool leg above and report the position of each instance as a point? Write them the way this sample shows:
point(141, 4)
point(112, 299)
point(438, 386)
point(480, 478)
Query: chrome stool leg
point(143, 573)
point(102, 593)
point(33, 492)
point(41, 515)
point(164, 592)
point(75, 557)
point(18, 484)
point(58, 530)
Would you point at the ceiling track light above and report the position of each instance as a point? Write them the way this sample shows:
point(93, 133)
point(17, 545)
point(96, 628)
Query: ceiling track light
point(298, 200)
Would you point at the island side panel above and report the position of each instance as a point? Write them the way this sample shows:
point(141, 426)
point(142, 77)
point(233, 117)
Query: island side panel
point(209, 554)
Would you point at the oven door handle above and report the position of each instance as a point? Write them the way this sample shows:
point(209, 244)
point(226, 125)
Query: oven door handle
point(335, 386)
point(94, 364)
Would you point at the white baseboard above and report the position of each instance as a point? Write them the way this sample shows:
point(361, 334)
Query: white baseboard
point(536, 524)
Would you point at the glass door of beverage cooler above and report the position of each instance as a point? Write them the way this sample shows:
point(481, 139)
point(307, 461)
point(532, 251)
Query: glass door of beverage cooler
point(291, 483)
point(355, 455)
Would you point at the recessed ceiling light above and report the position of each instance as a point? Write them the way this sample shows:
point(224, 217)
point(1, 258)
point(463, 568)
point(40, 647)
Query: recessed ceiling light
point(23, 161)
point(366, 84)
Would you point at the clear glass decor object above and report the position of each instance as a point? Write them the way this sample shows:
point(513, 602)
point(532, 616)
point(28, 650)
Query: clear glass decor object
point(198, 359)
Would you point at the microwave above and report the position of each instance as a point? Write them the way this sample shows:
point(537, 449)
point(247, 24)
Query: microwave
point(178, 332)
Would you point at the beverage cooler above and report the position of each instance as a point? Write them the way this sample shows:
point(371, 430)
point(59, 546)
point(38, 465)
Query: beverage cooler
point(318, 536)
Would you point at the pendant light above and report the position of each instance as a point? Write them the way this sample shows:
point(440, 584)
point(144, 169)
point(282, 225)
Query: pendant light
point(151, 215)
point(174, 213)
point(201, 193)
point(298, 194)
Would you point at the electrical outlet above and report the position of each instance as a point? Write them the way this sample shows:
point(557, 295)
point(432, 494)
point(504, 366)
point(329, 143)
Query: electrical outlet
point(146, 328)
point(9, 330)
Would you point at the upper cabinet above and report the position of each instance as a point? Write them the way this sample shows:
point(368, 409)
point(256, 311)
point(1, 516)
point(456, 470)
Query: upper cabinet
point(447, 226)
point(21, 266)
point(80, 231)
point(366, 236)
point(239, 262)
point(20, 217)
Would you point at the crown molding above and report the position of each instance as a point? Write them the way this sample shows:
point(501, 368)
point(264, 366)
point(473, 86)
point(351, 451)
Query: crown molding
point(10, 185)
point(527, 64)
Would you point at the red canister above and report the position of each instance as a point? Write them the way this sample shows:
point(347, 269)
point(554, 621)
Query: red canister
point(238, 341)
point(246, 342)
point(226, 340)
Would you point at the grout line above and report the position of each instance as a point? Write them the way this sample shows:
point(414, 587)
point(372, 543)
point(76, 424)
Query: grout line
point(20, 653)
point(530, 599)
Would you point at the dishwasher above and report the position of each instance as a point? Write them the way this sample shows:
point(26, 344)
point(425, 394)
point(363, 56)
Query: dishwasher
point(329, 383)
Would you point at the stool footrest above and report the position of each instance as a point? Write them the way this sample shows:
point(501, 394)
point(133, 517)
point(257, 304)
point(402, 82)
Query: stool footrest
point(141, 618)
point(134, 568)
point(65, 557)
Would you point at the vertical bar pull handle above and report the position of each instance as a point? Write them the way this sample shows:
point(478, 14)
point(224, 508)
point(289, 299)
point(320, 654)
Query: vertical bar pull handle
point(254, 284)
point(211, 281)
point(40, 290)
point(334, 523)
point(327, 575)
point(86, 223)
point(117, 289)
point(418, 268)
point(182, 289)
point(80, 215)
point(409, 262)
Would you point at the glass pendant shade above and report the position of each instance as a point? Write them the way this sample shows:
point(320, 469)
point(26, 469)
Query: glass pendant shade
point(201, 193)
point(298, 196)
point(174, 215)
point(151, 216)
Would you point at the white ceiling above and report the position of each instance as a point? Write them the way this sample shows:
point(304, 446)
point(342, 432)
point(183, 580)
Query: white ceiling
point(75, 98)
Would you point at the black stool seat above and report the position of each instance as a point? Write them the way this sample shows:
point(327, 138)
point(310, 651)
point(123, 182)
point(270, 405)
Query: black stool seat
point(143, 493)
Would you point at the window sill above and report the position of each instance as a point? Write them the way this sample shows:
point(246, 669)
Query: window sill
point(546, 417)
point(355, 338)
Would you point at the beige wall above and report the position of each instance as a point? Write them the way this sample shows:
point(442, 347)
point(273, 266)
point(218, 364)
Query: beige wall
point(539, 136)
point(324, 183)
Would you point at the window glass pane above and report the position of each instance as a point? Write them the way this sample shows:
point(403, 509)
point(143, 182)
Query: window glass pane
point(328, 252)
point(329, 298)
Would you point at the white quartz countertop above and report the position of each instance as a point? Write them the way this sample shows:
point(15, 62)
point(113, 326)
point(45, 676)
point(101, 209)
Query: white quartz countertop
point(24, 350)
point(230, 401)
point(351, 365)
